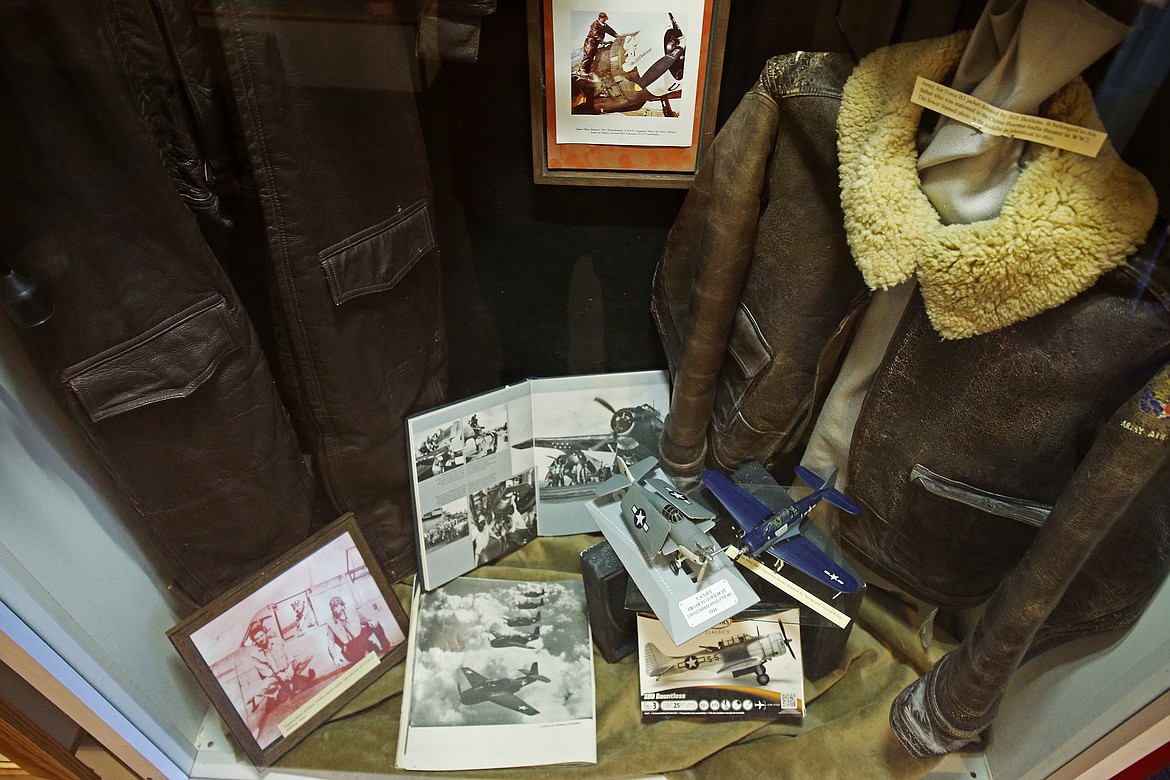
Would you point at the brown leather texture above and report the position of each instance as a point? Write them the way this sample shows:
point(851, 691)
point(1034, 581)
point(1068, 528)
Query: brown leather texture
point(744, 335)
point(208, 212)
point(1018, 469)
point(341, 176)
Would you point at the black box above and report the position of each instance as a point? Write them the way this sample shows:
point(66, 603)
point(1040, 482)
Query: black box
point(614, 628)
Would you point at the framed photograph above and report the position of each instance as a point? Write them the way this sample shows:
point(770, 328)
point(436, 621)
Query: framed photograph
point(623, 93)
point(283, 651)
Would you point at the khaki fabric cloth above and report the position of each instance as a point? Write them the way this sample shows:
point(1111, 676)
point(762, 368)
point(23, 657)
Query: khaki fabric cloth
point(845, 732)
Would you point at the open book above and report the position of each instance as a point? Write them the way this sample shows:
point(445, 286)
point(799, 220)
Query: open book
point(493, 471)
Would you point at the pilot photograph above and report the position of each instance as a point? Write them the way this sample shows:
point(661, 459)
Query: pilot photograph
point(596, 35)
point(281, 676)
point(353, 637)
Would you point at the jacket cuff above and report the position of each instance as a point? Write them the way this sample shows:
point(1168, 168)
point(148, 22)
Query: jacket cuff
point(925, 726)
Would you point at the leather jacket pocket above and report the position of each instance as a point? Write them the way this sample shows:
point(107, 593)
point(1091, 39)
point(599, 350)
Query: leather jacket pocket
point(750, 356)
point(958, 541)
point(169, 361)
point(185, 410)
point(376, 258)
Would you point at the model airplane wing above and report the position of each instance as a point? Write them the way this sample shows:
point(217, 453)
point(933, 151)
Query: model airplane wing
point(701, 515)
point(747, 510)
point(801, 553)
point(626, 476)
point(736, 656)
point(645, 523)
point(513, 702)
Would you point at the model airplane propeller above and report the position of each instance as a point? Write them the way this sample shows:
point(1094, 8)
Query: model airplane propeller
point(777, 530)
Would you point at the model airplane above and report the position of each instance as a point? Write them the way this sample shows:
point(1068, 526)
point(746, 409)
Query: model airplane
point(501, 691)
point(740, 656)
point(521, 620)
point(777, 531)
point(530, 604)
point(663, 520)
point(630, 71)
point(514, 640)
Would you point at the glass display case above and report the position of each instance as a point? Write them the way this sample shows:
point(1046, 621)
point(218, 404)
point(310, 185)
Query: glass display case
point(244, 240)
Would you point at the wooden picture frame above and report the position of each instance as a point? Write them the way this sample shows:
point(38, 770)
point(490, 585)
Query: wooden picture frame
point(580, 131)
point(281, 652)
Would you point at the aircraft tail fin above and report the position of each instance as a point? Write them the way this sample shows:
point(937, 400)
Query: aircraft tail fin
point(839, 499)
point(826, 489)
point(627, 475)
point(533, 673)
point(535, 633)
point(812, 480)
point(655, 661)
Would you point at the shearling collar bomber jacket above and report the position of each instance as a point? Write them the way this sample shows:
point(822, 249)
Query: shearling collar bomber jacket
point(1012, 449)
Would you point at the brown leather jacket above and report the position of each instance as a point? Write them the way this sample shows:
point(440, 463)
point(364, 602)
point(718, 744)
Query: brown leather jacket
point(188, 190)
point(1026, 468)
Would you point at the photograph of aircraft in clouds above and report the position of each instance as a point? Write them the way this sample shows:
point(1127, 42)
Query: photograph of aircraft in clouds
point(502, 691)
point(463, 642)
point(473, 683)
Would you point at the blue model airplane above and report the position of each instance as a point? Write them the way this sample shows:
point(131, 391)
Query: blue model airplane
point(777, 531)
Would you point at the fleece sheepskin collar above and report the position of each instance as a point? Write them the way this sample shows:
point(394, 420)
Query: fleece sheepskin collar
point(1068, 219)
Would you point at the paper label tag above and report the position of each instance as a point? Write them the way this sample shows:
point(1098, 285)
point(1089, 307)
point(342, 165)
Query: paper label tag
point(708, 603)
point(989, 119)
point(824, 608)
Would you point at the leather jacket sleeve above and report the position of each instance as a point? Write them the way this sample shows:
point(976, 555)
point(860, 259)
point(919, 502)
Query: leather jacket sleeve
point(695, 323)
point(1123, 481)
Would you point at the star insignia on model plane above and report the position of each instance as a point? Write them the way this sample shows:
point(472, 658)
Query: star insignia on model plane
point(640, 518)
point(691, 662)
point(680, 496)
point(834, 577)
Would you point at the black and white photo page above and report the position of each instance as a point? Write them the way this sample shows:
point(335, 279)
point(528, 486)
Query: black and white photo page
point(582, 424)
point(474, 492)
point(503, 669)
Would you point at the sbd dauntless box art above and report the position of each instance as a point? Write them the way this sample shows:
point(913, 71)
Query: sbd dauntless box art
point(738, 668)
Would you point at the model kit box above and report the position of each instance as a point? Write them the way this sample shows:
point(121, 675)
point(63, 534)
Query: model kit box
point(738, 668)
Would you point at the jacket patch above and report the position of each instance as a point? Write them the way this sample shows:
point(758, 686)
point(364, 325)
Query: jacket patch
point(1154, 403)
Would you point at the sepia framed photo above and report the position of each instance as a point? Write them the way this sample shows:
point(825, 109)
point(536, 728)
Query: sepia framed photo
point(623, 93)
point(280, 653)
